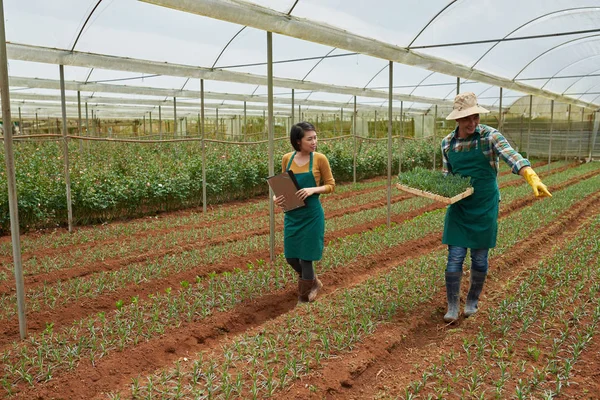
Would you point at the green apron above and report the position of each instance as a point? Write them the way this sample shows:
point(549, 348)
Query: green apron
point(304, 228)
point(473, 221)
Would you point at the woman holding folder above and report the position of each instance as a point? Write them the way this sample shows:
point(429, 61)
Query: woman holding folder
point(304, 228)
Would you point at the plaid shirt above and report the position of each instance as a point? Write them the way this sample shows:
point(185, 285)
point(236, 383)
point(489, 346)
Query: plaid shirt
point(493, 143)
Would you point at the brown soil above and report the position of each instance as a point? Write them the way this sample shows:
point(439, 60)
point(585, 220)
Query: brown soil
point(401, 350)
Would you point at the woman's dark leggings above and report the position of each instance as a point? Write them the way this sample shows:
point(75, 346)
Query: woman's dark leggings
point(303, 267)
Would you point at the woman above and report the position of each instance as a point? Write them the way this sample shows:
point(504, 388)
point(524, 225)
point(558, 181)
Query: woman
point(304, 228)
point(474, 150)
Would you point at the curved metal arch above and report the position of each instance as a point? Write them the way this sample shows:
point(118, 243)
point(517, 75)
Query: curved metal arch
point(422, 80)
point(317, 63)
point(593, 74)
point(570, 65)
point(84, 24)
point(375, 76)
point(588, 89)
point(550, 50)
point(530, 22)
point(430, 22)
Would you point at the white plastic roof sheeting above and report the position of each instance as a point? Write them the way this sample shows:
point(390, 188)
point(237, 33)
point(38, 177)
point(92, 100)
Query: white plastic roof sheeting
point(550, 48)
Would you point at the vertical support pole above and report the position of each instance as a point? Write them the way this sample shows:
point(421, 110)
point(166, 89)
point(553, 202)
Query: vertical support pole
point(150, 125)
point(203, 146)
point(375, 125)
point(401, 137)
point(501, 114)
point(594, 135)
point(457, 85)
point(300, 119)
point(79, 120)
point(21, 131)
point(160, 131)
point(9, 159)
point(422, 125)
point(79, 113)
point(581, 133)
point(293, 108)
point(434, 136)
point(389, 146)
point(93, 124)
point(271, 143)
point(568, 134)
point(65, 147)
point(217, 123)
point(144, 124)
point(529, 126)
point(551, 131)
point(342, 121)
point(354, 150)
point(37, 123)
point(520, 148)
point(174, 116)
point(245, 131)
point(87, 121)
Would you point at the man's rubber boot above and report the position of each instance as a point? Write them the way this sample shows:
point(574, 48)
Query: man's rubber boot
point(477, 281)
point(453, 295)
point(316, 286)
point(304, 288)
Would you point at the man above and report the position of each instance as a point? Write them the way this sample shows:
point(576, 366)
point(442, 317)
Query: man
point(474, 150)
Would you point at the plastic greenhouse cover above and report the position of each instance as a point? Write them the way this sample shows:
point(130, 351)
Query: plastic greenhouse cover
point(135, 29)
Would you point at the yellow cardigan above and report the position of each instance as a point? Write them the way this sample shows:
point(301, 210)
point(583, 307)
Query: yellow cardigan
point(321, 169)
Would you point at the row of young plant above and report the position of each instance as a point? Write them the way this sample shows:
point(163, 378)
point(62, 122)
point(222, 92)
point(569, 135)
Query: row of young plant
point(257, 364)
point(137, 321)
point(216, 213)
point(114, 180)
point(164, 241)
point(534, 336)
point(60, 293)
point(95, 285)
point(120, 248)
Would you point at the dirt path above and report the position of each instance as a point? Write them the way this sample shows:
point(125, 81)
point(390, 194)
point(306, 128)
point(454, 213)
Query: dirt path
point(400, 351)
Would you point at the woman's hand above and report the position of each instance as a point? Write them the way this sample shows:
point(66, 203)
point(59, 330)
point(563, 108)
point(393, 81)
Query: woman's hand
point(304, 193)
point(279, 201)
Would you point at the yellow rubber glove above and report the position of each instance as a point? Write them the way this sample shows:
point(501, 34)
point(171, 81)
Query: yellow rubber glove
point(539, 189)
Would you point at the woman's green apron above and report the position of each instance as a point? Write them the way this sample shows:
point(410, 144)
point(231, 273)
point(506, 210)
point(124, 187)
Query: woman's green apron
point(304, 228)
point(473, 221)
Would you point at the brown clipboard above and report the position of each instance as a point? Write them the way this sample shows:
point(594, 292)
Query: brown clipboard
point(285, 184)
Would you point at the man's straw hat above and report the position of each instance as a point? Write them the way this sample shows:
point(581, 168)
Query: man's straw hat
point(465, 104)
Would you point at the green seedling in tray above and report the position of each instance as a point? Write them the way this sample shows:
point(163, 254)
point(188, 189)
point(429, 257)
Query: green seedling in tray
point(434, 182)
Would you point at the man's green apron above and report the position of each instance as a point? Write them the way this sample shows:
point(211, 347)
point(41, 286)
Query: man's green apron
point(473, 221)
point(304, 228)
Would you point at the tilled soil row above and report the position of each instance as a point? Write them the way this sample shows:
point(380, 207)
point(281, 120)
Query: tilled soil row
point(79, 309)
point(182, 213)
point(399, 352)
point(61, 316)
point(210, 333)
point(111, 264)
point(163, 231)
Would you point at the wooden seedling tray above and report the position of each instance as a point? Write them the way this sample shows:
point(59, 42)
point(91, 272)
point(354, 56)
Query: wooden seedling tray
point(436, 197)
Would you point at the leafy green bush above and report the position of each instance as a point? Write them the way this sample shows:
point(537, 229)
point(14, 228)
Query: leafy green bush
point(117, 180)
point(435, 182)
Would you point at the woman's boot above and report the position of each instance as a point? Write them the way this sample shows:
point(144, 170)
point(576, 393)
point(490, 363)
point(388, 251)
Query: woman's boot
point(304, 288)
point(453, 295)
point(477, 281)
point(316, 286)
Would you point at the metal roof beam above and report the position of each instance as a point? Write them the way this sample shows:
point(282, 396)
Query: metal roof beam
point(90, 60)
point(243, 13)
point(188, 94)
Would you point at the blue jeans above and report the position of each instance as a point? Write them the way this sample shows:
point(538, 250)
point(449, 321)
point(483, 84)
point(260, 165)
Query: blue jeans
point(456, 257)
